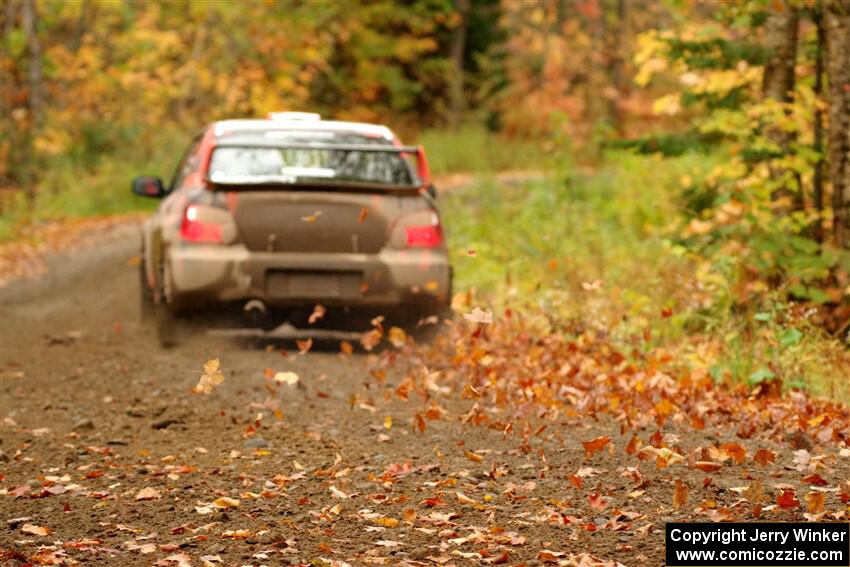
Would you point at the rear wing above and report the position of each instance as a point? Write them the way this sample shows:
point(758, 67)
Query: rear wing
point(423, 172)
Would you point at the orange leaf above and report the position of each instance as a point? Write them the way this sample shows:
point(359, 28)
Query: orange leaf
point(764, 457)
point(576, 480)
point(595, 445)
point(735, 451)
point(814, 502)
point(473, 456)
point(346, 348)
point(787, 499)
point(680, 495)
point(633, 445)
point(364, 212)
point(304, 346)
point(707, 466)
point(318, 313)
point(597, 502)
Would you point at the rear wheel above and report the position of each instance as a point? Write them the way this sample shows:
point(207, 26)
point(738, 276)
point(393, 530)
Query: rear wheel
point(146, 300)
point(166, 319)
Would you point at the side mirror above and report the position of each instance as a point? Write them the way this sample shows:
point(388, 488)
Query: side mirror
point(148, 186)
point(431, 190)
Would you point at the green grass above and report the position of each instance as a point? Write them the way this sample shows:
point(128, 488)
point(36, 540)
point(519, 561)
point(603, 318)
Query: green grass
point(474, 149)
point(69, 188)
point(593, 247)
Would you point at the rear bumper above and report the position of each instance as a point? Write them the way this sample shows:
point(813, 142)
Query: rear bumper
point(203, 274)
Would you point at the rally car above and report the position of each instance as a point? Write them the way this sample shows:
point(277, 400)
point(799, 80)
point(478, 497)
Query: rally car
point(285, 216)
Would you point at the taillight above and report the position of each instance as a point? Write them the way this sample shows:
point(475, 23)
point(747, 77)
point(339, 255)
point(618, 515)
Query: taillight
point(429, 236)
point(193, 229)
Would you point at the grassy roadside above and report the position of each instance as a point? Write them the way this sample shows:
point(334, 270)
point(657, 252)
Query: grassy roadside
point(592, 248)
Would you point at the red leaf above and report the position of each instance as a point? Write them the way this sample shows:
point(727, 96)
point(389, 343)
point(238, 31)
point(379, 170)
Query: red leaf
point(787, 499)
point(815, 479)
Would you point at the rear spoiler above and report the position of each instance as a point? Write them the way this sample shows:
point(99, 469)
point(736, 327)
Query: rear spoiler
point(422, 169)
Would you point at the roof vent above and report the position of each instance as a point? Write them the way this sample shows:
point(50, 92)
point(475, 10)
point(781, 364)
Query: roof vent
point(295, 116)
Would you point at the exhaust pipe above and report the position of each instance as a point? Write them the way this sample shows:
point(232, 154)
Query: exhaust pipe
point(256, 314)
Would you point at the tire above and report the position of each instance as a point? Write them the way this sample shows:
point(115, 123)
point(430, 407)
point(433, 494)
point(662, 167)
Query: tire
point(146, 303)
point(166, 321)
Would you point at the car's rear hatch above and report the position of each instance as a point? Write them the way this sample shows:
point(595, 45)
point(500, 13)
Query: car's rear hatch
point(292, 220)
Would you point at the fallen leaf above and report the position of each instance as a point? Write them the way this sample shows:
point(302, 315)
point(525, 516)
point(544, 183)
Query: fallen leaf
point(815, 502)
point(225, 502)
point(475, 457)
point(764, 457)
point(680, 495)
point(337, 493)
point(787, 499)
point(148, 493)
point(707, 466)
point(288, 378)
point(32, 529)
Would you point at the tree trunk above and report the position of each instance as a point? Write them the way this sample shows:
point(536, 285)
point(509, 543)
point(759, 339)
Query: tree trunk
point(781, 45)
point(617, 34)
point(837, 30)
point(457, 100)
point(36, 96)
point(780, 41)
point(30, 24)
point(818, 177)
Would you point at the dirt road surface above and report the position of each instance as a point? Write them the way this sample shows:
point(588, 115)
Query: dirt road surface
point(109, 458)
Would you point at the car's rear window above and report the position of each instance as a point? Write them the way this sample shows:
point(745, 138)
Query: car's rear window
point(271, 161)
point(262, 164)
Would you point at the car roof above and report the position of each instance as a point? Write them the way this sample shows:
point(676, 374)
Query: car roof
point(243, 126)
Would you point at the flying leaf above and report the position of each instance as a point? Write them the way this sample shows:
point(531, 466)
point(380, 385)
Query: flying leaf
point(479, 316)
point(397, 337)
point(210, 378)
point(595, 445)
point(304, 346)
point(317, 314)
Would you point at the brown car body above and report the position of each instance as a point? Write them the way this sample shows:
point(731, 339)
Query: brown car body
point(285, 244)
